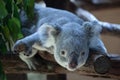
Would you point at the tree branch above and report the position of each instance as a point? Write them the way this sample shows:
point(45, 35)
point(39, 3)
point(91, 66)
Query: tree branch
point(97, 65)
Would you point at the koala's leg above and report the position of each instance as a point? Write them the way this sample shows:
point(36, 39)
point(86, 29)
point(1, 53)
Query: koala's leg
point(26, 51)
point(85, 15)
point(26, 43)
point(107, 28)
point(97, 45)
point(101, 59)
point(29, 60)
point(110, 28)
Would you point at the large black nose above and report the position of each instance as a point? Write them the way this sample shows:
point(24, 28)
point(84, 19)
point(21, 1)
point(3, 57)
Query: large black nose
point(73, 64)
point(73, 60)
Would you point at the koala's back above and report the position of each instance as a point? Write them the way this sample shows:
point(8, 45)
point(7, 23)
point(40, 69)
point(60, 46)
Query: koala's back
point(52, 16)
point(55, 16)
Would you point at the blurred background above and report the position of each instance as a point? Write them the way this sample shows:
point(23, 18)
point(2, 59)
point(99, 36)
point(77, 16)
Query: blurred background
point(10, 30)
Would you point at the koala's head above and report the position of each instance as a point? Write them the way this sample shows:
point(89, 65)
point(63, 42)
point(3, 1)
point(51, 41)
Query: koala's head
point(70, 43)
point(71, 48)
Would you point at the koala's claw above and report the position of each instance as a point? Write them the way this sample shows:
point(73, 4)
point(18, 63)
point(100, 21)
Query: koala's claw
point(30, 65)
point(28, 61)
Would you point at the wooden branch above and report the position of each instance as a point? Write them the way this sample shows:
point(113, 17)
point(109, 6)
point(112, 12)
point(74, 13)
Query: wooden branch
point(12, 64)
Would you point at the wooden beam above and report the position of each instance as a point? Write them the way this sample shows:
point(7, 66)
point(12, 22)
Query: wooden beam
point(12, 64)
point(35, 76)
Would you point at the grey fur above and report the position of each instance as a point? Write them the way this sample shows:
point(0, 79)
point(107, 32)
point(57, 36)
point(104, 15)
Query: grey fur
point(64, 35)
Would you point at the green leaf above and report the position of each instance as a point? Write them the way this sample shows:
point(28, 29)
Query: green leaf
point(20, 35)
point(6, 33)
point(9, 6)
point(3, 11)
point(16, 13)
point(29, 8)
point(14, 27)
point(18, 1)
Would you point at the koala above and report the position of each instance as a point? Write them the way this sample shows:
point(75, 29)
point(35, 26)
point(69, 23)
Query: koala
point(63, 34)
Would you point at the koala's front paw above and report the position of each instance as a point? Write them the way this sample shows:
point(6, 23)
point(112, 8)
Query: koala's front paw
point(20, 46)
point(29, 61)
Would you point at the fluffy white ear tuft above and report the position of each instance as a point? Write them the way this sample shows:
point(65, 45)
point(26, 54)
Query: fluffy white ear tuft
point(47, 34)
point(49, 29)
point(93, 28)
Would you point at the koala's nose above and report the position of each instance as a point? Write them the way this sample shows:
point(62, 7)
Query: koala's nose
point(73, 60)
point(73, 64)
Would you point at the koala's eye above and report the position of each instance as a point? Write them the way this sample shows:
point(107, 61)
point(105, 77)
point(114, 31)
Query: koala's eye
point(82, 53)
point(63, 53)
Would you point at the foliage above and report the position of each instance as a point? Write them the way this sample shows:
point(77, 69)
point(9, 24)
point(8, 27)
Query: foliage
point(10, 26)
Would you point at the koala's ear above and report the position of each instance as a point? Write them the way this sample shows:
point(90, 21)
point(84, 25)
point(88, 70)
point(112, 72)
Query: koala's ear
point(92, 27)
point(49, 30)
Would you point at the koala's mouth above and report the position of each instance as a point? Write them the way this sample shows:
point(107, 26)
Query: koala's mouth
point(73, 61)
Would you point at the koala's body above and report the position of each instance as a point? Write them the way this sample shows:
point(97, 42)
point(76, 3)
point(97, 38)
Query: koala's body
point(62, 34)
